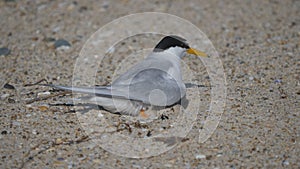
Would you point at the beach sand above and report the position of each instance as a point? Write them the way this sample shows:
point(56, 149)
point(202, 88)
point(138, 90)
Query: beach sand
point(258, 44)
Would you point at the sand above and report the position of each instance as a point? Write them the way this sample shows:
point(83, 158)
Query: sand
point(258, 44)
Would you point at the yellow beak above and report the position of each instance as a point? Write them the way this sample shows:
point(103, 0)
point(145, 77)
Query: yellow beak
point(196, 52)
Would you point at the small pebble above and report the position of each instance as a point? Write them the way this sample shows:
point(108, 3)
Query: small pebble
point(58, 141)
point(200, 156)
point(11, 100)
point(71, 7)
point(29, 106)
point(34, 132)
point(164, 117)
point(251, 78)
point(9, 86)
point(70, 165)
point(285, 162)
point(60, 159)
point(100, 115)
point(105, 6)
point(4, 96)
point(149, 133)
point(3, 132)
point(4, 51)
point(136, 166)
point(56, 29)
point(44, 94)
point(277, 81)
point(61, 43)
point(290, 54)
point(15, 123)
point(97, 161)
point(43, 108)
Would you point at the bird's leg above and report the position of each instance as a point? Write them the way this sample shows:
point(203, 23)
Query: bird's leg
point(143, 114)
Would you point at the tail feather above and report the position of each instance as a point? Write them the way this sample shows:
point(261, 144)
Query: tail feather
point(101, 90)
point(104, 91)
point(108, 102)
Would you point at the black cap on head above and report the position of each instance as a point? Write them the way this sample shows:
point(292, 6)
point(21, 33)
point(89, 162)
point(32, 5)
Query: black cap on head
point(171, 41)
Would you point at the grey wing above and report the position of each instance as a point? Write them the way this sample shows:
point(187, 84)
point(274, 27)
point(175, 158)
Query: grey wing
point(148, 63)
point(139, 88)
point(102, 91)
point(121, 105)
point(143, 84)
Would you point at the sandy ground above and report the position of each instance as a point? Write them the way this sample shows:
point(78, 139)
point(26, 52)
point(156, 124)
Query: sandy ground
point(258, 43)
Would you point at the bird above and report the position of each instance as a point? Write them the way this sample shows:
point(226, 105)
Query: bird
point(154, 81)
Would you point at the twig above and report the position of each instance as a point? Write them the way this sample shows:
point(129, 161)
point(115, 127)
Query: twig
point(36, 83)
